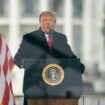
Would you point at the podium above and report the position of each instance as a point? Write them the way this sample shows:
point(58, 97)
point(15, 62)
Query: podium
point(53, 102)
point(38, 91)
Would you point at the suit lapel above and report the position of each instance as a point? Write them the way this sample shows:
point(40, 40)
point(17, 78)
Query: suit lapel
point(43, 39)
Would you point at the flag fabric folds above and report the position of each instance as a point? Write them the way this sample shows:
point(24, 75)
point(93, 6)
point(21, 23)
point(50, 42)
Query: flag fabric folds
point(6, 65)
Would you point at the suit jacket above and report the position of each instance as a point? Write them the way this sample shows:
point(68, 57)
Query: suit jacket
point(34, 45)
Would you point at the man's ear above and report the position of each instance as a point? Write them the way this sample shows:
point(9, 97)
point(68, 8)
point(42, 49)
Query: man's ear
point(39, 24)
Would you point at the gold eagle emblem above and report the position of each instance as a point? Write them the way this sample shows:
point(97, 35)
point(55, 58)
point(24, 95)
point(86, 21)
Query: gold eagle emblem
point(53, 74)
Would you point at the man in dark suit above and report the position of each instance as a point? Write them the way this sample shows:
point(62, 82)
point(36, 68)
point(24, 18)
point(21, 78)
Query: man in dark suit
point(44, 42)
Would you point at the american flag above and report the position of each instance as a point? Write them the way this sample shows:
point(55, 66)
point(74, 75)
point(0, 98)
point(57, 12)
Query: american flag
point(6, 65)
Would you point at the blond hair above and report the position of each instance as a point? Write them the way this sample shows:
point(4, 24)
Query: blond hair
point(49, 13)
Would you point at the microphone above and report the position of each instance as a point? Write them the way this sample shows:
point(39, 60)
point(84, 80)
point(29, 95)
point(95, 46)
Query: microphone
point(50, 32)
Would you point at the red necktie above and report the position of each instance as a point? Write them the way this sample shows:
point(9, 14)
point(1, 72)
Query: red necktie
point(50, 41)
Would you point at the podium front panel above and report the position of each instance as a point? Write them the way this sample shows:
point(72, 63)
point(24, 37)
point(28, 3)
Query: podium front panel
point(36, 87)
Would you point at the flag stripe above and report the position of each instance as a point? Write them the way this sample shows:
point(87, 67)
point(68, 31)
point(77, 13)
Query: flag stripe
point(6, 96)
point(6, 64)
point(0, 52)
point(2, 86)
point(0, 42)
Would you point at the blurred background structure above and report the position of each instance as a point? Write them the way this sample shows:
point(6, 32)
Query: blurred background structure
point(83, 21)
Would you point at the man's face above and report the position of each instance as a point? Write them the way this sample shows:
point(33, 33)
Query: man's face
point(46, 23)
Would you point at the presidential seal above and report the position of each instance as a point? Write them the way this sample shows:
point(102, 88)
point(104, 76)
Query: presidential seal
point(53, 74)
